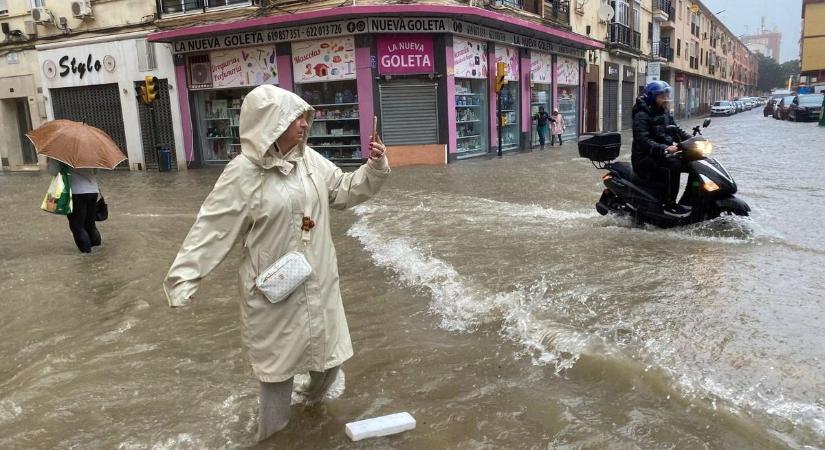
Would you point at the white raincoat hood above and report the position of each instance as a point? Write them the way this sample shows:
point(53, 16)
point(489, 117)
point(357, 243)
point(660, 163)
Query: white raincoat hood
point(266, 113)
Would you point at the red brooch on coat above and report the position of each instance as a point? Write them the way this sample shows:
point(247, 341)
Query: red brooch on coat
point(307, 224)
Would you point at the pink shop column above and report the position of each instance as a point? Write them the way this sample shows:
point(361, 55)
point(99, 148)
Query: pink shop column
point(185, 113)
point(491, 81)
point(285, 73)
point(363, 72)
point(526, 120)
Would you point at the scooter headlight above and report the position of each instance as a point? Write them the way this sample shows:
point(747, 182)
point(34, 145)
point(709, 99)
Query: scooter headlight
point(708, 184)
point(705, 148)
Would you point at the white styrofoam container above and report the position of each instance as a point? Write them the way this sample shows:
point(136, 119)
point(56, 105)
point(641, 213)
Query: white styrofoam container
point(380, 426)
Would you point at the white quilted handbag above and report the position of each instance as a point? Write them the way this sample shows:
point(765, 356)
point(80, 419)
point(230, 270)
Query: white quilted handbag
point(291, 270)
point(283, 276)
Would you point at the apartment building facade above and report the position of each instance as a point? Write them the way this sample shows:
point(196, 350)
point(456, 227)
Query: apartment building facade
point(677, 41)
point(813, 44)
point(81, 60)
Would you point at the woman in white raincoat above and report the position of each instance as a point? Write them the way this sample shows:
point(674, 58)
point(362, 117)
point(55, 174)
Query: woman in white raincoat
point(260, 199)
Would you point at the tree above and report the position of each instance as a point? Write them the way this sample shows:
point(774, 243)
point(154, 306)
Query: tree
point(770, 74)
point(790, 69)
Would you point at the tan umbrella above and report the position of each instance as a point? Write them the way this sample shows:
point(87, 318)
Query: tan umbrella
point(78, 145)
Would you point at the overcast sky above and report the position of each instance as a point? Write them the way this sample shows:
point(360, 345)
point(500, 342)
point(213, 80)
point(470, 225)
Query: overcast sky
point(745, 16)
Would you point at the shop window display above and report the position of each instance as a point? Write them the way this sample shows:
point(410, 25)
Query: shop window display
point(335, 131)
point(471, 110)
point(510, 113)
point(219, 113)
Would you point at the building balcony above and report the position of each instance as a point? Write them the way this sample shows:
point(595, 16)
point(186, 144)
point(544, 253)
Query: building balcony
point(662, 10)
point(622, 38)
point(660, 51)
point(557, 11)
point(169, 7)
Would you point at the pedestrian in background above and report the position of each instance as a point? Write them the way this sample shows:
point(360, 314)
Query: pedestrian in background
point(84, 205)
point(276, 199)
point(557, 127)
point(542, 125)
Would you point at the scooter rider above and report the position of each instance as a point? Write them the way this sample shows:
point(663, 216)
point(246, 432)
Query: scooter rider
point(652, 143)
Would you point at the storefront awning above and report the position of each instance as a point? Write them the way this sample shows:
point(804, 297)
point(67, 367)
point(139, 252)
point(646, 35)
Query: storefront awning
point(461, 20)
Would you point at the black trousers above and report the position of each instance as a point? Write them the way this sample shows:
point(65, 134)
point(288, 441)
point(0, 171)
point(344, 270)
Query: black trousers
point(553, 139)
point(82, 222)
point(664, 174)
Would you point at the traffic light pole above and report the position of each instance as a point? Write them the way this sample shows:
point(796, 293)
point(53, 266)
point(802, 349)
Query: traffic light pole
point(498, 122)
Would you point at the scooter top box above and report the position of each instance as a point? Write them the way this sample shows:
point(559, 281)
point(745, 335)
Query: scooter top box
point(601, 147)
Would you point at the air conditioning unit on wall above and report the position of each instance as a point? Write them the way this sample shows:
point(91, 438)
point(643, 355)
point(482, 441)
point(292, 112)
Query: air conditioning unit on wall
point(42, 15)
point(82, 9)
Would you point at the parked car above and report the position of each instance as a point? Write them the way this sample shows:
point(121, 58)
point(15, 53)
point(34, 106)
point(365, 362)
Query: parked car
point(781, 110)
point(769, 107)
point(740, 106)
point(749, 103)
point(805, 107)
point(722, 108)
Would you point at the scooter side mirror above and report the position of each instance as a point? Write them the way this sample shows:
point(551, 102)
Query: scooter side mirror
point(706, 123)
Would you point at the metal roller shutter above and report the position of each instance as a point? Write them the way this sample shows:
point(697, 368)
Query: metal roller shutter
point(163, 121)
point(611, 105)
point(409, 113)
point(98, 106)
point(628, 99)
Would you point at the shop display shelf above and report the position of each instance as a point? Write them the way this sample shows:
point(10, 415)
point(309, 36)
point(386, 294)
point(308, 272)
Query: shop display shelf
point(333, 136)
point(216, 118)
point(508, 110)
point(468, 121)
point(538, 104)
point(348, 162)
point(470, 136)
point(466, 95)
point(337, 146)
point(468, 106)
point(335, 120)
point(218, 138)
point(333, 105)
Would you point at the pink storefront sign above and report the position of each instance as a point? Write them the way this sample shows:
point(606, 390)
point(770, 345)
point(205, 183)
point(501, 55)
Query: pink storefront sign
point(405, 54)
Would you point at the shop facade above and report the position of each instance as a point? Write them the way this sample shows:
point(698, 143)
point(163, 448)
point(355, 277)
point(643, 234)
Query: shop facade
point(95, 81)
point(20, 110)
point(428, 77)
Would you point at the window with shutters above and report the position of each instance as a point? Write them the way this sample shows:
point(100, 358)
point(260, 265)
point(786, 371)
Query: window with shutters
point(4, 7)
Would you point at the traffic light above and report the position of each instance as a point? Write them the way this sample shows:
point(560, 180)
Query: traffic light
point(148, 92)
point(501, 75)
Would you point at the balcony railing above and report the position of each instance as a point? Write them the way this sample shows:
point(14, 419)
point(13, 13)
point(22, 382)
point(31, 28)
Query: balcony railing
point(187, 6)
point(557, 11)
point(664, 6)
point(661, 50)
point(622, 35)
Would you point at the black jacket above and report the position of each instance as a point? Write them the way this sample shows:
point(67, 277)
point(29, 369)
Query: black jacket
point(650, 138)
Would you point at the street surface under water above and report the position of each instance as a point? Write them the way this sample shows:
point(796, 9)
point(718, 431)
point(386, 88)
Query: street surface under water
point(487, 298)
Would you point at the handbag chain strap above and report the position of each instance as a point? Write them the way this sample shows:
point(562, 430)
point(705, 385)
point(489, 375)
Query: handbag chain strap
point(307, 224)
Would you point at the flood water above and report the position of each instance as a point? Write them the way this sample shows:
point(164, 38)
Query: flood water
point(487, 298)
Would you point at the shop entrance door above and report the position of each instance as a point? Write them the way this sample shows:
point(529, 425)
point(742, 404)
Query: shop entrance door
point(592, 106)
point(628, 97)
point(24, 125)
point(611, 105)
point(409, 112)
point(98, 106)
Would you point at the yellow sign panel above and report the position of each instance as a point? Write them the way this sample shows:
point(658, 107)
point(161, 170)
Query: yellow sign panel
point(694, 8)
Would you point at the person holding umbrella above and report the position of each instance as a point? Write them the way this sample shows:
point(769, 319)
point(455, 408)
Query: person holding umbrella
point(84, 190)
point(81, 150)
